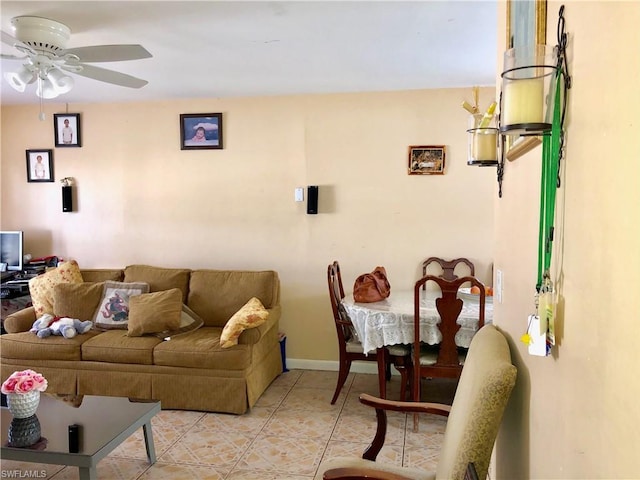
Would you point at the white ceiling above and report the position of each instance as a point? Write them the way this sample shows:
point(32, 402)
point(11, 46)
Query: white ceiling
point(210, 49)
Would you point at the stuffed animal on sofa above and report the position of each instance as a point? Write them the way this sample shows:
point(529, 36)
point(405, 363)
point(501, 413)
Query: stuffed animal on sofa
point(48, 325)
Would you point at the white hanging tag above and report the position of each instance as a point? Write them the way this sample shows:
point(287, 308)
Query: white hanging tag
point(538, 340)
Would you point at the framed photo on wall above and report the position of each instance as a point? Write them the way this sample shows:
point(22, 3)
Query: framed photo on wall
point(426, 160)
point(39, 165)
point(66, 127)
point(200, 131)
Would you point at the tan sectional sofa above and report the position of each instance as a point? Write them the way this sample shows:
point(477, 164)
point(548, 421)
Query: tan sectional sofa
point(190, 371)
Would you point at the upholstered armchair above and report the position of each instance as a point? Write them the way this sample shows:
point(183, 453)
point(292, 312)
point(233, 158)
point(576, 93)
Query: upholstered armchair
point(472, 426)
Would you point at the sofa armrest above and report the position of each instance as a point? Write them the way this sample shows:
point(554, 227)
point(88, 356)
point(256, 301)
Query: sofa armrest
point(252, 336)
point(20, 321)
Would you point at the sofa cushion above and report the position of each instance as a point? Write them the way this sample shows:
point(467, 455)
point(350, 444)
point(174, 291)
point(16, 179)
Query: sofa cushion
point(201, 349)
point(28, 346)
point(41, 287)
point(113, 309)
point(77, 300)
point(216, 295)
point(251, 315)
point(102, 274)
point(159, 278)
point(154, 312)
point(115, 346)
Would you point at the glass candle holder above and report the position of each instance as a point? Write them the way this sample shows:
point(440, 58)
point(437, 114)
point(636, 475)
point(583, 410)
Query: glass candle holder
point(482, 140)
point(527, 84)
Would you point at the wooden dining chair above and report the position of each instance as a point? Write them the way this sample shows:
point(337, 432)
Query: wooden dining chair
point(473, 421)
point(349, 346)
point(354, 473)
point(448, 267)
point(444, 360)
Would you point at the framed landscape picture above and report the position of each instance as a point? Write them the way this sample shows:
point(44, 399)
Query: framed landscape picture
point(426, 160)
point(67, 129)
point(39, 165)
point(200, 131)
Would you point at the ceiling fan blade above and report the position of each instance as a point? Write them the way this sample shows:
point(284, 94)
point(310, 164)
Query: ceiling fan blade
point(109, 53)
point(4, 56)
point(8, 39)
point(108, 76)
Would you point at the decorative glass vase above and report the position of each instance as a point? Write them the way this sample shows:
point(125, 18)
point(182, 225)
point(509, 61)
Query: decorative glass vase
point(23, 405)
point(24, 432)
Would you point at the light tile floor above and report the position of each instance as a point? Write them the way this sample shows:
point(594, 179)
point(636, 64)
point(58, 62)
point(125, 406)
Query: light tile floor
point(285, 436)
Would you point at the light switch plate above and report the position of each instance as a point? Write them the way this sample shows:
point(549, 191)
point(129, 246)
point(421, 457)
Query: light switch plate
point(299, 195)
point(498, 289)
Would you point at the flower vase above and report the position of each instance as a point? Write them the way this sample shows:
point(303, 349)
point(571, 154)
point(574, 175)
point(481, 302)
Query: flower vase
point(23, 405)
point(24, 432)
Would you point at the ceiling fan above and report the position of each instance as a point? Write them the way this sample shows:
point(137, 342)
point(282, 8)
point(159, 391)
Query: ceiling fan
point(46, 59)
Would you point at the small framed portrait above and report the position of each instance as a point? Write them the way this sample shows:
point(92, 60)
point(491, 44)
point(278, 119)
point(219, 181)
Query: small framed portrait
point(200, 131)
point(39, 165)
point(426, 160)
point(67, 129)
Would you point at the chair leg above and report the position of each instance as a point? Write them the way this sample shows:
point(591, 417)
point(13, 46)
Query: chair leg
point(403, 383)
point(345, 366)
point(382, 357)
point(406, 374)
point(416, 394)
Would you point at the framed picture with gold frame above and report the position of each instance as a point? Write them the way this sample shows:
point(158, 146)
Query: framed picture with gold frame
point(526, 25)
point(426, 160)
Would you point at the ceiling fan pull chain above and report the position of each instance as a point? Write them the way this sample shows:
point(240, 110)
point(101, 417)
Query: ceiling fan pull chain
point(41, 115)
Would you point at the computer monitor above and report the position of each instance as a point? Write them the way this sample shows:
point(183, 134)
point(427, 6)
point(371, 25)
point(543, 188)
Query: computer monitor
point(11, 250)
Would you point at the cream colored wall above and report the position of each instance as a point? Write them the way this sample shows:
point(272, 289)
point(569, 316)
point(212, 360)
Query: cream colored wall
point(143, 200)
point(574, 414)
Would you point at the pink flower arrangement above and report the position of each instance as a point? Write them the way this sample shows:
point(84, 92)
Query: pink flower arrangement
point(24, 382)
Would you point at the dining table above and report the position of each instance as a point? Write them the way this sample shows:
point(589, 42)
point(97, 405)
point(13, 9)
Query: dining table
point(391, 322)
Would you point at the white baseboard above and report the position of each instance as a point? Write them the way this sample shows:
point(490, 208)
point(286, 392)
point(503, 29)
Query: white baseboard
point(332, 366)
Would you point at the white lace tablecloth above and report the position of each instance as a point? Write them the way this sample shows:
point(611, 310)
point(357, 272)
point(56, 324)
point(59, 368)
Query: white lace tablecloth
point(390, 322)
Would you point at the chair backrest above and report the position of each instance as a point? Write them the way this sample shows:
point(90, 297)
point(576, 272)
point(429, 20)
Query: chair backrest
point(336, 267)
point(481, 397)
point(336, 294)
point(449, 307)
point(448, 266)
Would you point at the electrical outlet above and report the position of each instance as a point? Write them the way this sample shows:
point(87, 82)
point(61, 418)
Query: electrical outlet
point(299, 195)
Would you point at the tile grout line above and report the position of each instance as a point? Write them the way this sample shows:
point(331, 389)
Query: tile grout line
point(257, 434)
point(335, 424)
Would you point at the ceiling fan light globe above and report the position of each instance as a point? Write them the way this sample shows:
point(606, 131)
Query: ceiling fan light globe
point(20, 79)
point(46, 89)
point(13, 80)
point(61, 82)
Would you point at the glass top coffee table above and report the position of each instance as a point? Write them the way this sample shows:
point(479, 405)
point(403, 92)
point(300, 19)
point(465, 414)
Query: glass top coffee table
point(105, 422)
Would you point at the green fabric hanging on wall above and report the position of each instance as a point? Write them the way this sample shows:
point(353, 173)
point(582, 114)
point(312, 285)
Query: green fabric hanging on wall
point(549, 186)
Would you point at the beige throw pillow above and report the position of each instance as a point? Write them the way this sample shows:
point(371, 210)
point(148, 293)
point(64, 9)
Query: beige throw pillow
point(77, 300)
point(251, 315)
point(154, 312)
point(41, 287)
